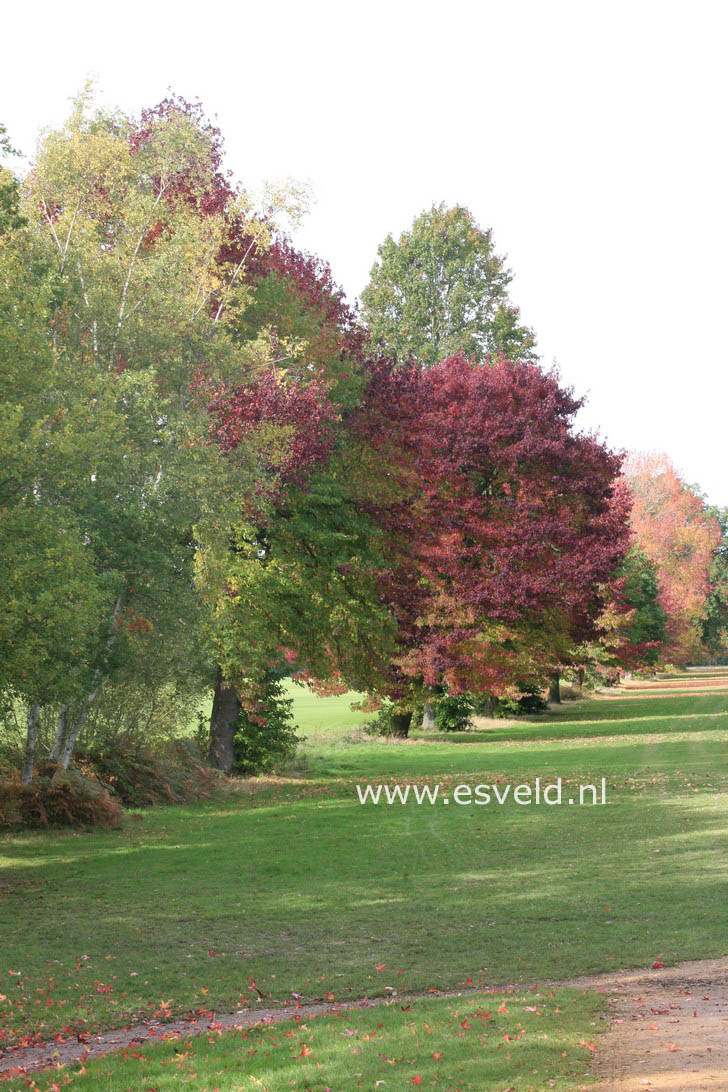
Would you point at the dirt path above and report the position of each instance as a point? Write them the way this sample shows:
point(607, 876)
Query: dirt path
point(668, 1029)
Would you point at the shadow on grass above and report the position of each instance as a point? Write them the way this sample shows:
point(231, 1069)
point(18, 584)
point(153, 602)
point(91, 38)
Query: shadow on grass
point(317, 896)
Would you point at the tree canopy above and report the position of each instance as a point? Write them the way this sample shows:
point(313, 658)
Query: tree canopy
point(441, 289)
point(680, 534)
point(218, 475)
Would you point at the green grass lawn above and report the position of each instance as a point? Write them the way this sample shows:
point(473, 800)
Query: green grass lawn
point(465, 1043)
point(316, 719)
point(294, 884)
point(325, 718)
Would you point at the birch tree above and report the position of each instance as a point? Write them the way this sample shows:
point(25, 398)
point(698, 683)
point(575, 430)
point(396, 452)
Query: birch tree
point(128, 220)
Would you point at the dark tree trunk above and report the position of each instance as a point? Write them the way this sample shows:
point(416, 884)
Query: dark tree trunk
point(401, 725)
point(555, 687)
point(223, 721)
point(580, 679)
point(428, 717)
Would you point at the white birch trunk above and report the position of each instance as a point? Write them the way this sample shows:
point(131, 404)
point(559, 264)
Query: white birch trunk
point(66, 750)
point(31, 740)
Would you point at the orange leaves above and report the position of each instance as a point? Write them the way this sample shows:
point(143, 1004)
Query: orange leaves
point(134, 622)
point(679, 534)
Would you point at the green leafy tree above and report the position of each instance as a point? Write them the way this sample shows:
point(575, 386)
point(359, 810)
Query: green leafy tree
point(640, 590)
point(441, 288)
point(294, 589)
point(126, 221)
point(9, 189)
point(632, 628)
point(53, 610)
point(715, 622)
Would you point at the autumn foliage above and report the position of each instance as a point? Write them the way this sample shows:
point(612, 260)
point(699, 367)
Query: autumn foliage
point(506, 524)
point(680, 535)
point(290, 424)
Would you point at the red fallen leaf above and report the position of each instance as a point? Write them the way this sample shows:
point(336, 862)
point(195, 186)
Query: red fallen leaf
point(673, 1049)
point(381, 966)
point(413, 1080)
point(212, 951)
point(305, 1051)
point(502, 1007)
point(329, 996)
point(508, 1038)
point(468, 981)
point(405, 1008)
point(436, 1055)
point(657, 964)
point(465, 1023)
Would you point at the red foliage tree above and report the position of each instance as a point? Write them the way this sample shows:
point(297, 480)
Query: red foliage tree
point(680, 535)
point(292, 425)
point(504, 521)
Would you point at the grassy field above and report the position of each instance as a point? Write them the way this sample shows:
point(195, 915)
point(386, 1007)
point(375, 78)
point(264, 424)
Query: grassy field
point(465, 1043)
point(295, 885)
point(318, 719)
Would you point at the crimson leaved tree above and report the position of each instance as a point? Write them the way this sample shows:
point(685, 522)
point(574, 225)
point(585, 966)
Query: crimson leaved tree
point(506, 525)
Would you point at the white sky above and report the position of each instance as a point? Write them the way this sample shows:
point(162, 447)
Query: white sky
point(591, 136)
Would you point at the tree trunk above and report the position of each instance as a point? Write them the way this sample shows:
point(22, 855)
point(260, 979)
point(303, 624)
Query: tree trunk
point(66, 749)
point(223, 721)
point(428, 717)
point(60, 733)
point(31, 740)
point(490, 704)
point(401, 725)
point(580, 679)
point(555, 688)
